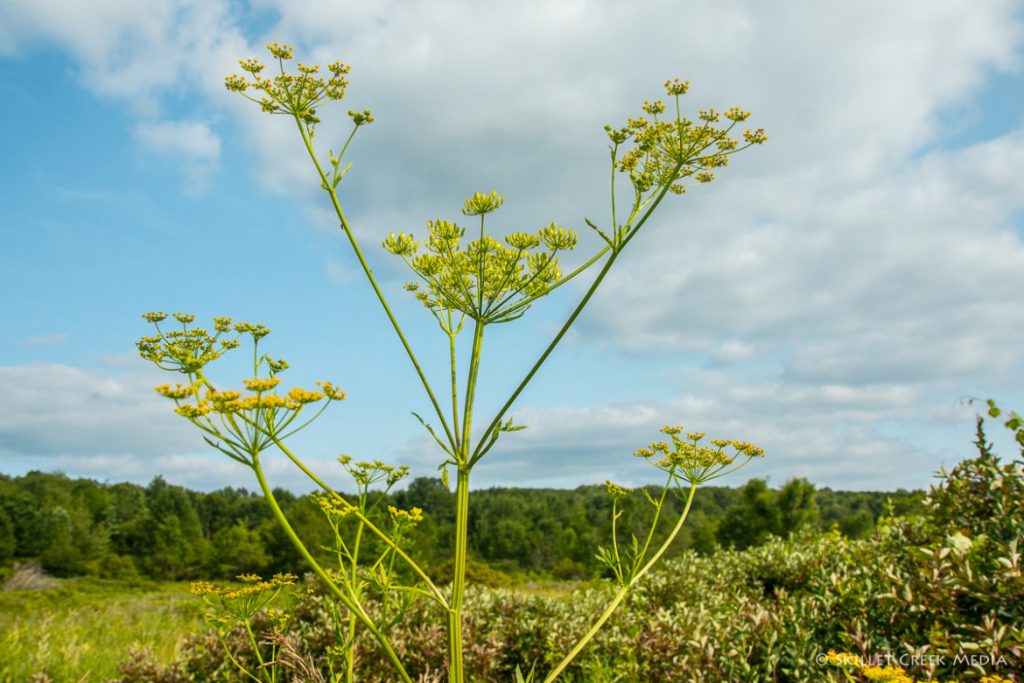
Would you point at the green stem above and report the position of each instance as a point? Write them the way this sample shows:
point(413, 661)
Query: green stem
point(255, 646)
point(435, 592)
point(350, 672)
point(456, 673)
point(373, 281)
point(352, 606)
point(455, 380)
point(654, 525)
point(620, 595)
point(482, 445)
point(474, 369)
point(234, 661)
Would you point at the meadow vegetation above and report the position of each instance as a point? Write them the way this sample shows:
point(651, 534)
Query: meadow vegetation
point(406, 584)
point(934, 592)
point(86, 628)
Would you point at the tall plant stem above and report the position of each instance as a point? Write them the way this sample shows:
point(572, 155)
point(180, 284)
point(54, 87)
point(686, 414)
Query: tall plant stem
point(434, 591)
point(456, 671)
point(354, 579)
point(353, 607)
point(326, 183)
point(456, 668)
point(485, 442)
point(455, 380)
point(621, 594)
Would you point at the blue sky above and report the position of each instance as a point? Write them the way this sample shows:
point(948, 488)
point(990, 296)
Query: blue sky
point(832, 296)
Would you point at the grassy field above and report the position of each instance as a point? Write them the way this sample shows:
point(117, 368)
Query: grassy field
point(80, 630)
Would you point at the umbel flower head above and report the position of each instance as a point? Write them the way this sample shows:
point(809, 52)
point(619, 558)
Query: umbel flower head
point(663, 148)
point(188, 349)
point(241, 601)
point(691, 461)
point(296, 94)
point(484, 279)
point(238, 423)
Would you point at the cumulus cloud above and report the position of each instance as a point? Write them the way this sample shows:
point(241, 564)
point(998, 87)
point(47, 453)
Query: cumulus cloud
point(855, 274)
point(835, 435)
point(190, 142)
point(49, 409)
point(114, 427)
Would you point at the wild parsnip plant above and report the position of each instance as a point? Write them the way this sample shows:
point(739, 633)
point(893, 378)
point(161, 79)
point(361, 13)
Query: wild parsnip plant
point(463, 275)
point(231, 606)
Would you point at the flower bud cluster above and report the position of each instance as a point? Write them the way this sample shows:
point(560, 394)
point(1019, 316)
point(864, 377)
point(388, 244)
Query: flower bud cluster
point(243, 424)
point(667, 151)
point(484, 279)
point(694, 461)
point(297, 94)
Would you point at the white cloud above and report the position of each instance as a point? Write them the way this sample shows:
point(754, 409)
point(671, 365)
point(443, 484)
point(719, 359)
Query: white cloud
point(190, 142)
point(114, 427)
point(133, 52)
point(48, 409)
point(854, 273)
point(51, 339)
point(836, 435)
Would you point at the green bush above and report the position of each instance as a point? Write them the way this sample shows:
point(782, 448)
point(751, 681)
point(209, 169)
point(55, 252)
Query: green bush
point(944, 585)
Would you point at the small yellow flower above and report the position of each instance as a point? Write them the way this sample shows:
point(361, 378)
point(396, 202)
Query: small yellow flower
point(281, 51)
point(259, 385)
point(677, 87)
point(332, 392)
point(177, 392)
point(193, 411)
point(412, 515)
point(480, 204)
point(302, 396)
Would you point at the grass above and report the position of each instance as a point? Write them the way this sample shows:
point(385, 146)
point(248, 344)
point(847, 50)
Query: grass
point(81, 629)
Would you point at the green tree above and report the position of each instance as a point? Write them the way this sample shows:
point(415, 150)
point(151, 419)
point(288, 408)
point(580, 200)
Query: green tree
point(753, 520)
point(236, 549)
point(797, 505)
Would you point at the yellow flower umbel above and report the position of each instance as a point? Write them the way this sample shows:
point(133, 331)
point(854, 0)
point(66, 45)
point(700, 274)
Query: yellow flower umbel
point(243, 600)
point(689, 461)
point(684, 461)
point(239, 425)
point(484, 279)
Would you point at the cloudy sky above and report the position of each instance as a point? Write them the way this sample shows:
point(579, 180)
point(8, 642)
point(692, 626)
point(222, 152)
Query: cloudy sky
point(833, 296)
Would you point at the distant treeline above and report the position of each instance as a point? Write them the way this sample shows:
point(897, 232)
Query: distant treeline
point(160, 531)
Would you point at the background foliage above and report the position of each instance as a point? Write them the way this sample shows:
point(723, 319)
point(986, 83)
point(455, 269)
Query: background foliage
point(165, 532)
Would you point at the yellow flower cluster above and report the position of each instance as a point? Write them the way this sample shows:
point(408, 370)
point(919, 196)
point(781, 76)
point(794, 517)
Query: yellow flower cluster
point(483, 278)
point(188, 350)
point(480, 203)
point(261, 385)
point(885, 674)
point(696, 463)
point(367, 473)
point(302, 396)
point(232, 402)
point(666, 152)
point(293, 94)
point(332, 392)
point(399, 515)
point(253, 585)
point(333, 506)
point(177, 392)
point(616, 491)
